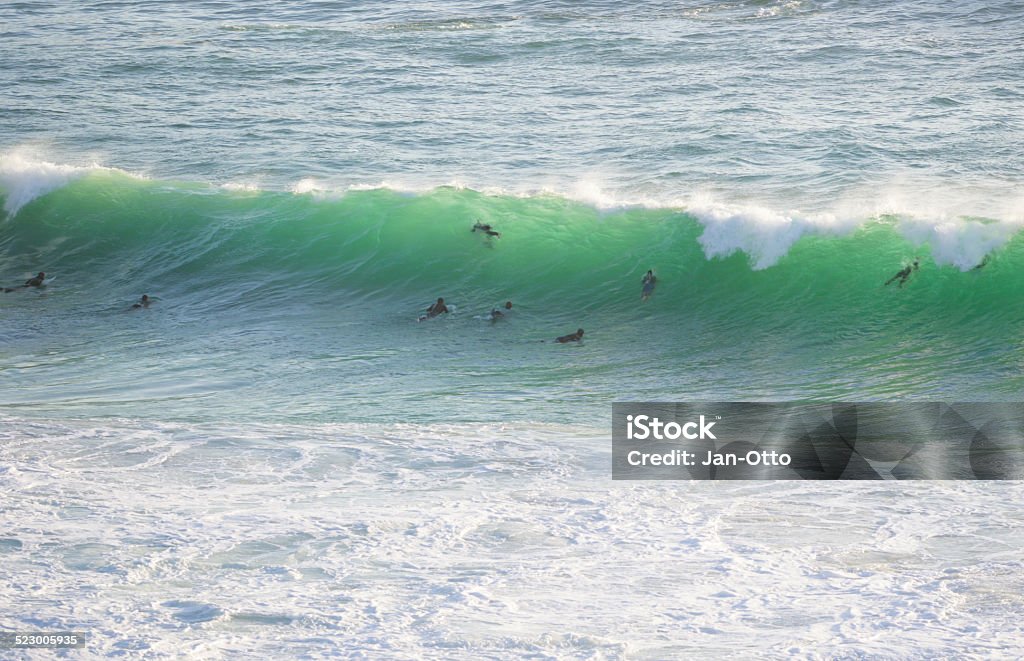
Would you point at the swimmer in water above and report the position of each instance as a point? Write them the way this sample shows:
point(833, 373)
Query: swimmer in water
point(143, 302)
point(904, 274)
point(571, 337)
point(497, 314)
point(648, 285)
point(486, 229)
point(435, 310)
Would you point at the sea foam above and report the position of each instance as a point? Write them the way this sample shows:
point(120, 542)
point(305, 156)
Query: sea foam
point(24, 178)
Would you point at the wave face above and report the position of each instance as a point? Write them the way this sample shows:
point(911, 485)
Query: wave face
point(275, 296)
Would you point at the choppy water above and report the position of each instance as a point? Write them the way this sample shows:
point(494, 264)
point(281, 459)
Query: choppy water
point(296, 182)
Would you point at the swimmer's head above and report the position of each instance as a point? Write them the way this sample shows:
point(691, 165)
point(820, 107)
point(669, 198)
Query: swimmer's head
point(145, 297)
point(508, 305)
point(579, 331)
point(41, 275)
point(440, 301)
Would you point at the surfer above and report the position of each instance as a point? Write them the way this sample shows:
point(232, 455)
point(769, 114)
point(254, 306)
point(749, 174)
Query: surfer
point(982, 264)
point(497, 314)
point(37, 281)
point(648, 285)
point(435, 309)
point(486, 229)
point(571, 337)
point(143, 302)
point(904, 274)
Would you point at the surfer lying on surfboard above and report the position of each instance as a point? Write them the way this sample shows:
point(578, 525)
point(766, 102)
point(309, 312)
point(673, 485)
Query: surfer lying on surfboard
point(435, 309)
point(571, 337)
point(37, 281)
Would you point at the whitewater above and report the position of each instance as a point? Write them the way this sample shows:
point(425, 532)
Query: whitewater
point(275, 459)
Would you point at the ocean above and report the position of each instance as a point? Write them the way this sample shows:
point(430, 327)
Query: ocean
point(275, 458)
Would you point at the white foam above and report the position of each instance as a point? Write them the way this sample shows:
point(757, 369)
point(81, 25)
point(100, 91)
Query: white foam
point(242, 187)
point(308, 185)
point(24, 177)
point(779, 8)
point(490, 540)
point(763, 234)
point(960, 224)
point(767, 235)
point(963, 244)
point(23, 180)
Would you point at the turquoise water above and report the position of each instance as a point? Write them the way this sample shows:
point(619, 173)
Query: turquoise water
point(285, 307)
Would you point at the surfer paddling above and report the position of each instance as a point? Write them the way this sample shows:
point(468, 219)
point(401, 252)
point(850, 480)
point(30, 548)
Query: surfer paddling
point(904, 274)
point(143, 302)
point(37, 281)
point(648, 285)
point(486, 229)
point(571, 337)
point(434, 310)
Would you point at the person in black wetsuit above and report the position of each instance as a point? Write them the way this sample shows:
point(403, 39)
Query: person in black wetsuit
point(904, 274)
point(497, 314)
point(434, 310)
point(37, 281)
point(486, 229)
point(648, 285)
point(571, 337)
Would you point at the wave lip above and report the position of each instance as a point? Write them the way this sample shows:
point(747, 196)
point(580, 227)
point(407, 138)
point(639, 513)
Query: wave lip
point(958, 226)
point(763, 234)
point(23, 178)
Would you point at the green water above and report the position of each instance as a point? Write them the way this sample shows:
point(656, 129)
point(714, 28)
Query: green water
point(278, 305)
